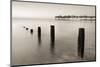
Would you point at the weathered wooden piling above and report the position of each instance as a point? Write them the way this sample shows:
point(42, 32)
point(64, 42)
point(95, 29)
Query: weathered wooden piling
point(81, 38)
point(52, 38)
point(52, 33)
point(39, 34)
point(31, 31)
point(27, 28)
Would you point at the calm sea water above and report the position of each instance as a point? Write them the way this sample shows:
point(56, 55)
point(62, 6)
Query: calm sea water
point(27, 50)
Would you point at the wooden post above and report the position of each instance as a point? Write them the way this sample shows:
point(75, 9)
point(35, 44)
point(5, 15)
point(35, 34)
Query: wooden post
point(52, 38)
point(52, 31)
point(26, 28)
point(31, 30)
point(39, 34)
point(81, 38)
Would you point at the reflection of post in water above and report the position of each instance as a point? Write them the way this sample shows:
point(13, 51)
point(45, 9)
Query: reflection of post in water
point(39, 35)
point(52, 48)
point(31, 31)
point(52, 36)
point(81, 38)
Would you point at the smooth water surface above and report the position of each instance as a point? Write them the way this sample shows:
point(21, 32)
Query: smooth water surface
point(26, 48)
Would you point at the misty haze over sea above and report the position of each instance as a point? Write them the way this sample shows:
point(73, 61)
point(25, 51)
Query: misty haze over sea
point(30, 18)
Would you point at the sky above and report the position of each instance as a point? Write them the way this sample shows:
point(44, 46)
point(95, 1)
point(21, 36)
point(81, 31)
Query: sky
point(44, 10)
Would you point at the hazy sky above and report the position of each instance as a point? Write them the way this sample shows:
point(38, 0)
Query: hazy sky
point(44, 10)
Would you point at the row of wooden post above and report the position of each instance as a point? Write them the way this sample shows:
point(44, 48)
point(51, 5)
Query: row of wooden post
point(81, 37)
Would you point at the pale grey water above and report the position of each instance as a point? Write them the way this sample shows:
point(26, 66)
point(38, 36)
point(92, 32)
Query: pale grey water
point(27, 50)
